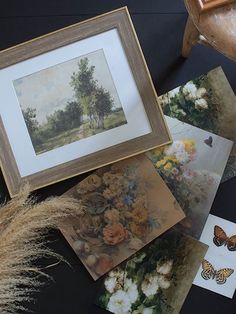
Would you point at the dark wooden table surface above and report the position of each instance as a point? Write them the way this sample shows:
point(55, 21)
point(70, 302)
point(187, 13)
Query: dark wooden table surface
point(160, 25)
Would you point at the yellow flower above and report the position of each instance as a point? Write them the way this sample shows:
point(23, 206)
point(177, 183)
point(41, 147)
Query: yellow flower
point(140, 215)
point(160, 163)
point(139, 230)
point(172, 158)
point(158, 151)
point(168, 166)
point(189, 145)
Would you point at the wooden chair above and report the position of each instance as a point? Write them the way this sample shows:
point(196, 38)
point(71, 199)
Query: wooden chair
point(215, 28)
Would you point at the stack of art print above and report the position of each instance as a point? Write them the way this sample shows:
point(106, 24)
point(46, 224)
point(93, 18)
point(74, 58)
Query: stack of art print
point(207, 102)
point(155, 280)
point(126, 205)
point(192, 167)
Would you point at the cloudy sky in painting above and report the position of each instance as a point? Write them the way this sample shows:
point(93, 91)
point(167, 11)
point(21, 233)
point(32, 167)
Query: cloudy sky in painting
point(49, 90)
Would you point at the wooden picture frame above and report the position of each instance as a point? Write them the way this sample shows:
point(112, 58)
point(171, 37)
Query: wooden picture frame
point(113, 36)
point(206, 5)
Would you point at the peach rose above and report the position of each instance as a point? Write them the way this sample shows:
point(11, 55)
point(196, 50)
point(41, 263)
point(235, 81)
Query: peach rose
point(109, 194)
point(140, 201)
point(94, 181)
point(138, 229)
point(104, 264)
point(114, 233)
point(112, 215)
point(140, 215)
point(89, 184)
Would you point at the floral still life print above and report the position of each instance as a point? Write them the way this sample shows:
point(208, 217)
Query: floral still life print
point(192, 167)
point(126, 206)
point(207, 102)
point(156, 280)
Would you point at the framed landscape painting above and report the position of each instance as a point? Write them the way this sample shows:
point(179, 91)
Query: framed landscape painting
point(75, 100)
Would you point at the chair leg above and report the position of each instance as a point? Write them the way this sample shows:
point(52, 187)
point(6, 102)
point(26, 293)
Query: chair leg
point(191, 36)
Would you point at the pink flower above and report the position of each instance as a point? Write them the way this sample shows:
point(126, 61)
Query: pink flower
point(175, 171)
point(192, 156)
point(119, 205)
point(188, 174)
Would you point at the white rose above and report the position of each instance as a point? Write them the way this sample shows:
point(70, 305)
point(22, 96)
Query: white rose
point(182, 157)
point(119, 303)
point(201, 92)
point(173, 92)
point(118, 273)
point(201, 104)
point(165, 268)
point(190, 91)
point(150, 285)
point(175, 147)
point(131, 289)
point(110, 284)
point(163, 282)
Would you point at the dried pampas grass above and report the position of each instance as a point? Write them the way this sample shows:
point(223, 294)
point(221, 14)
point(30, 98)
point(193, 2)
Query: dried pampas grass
point(23, 226)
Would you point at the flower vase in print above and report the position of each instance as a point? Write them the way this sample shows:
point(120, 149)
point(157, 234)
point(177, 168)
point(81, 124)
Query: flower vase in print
point(123, 212)
point(192, 179)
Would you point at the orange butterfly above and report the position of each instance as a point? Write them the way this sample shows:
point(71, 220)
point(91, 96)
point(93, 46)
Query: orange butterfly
point(220, 238)
point(220, 276)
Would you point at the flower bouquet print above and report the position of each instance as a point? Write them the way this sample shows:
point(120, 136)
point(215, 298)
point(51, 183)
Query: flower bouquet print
point(218, 270)
point(156, 280)
point(192, 167)
point(207, 102)
point(126, 206)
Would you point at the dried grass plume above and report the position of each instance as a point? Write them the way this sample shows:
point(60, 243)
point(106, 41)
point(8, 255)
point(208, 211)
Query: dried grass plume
point(23, 226)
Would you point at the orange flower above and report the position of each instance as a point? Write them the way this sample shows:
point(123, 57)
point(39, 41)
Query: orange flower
point(112, 215)
point(89, 184)
point(104, 264)
point(114, 233)
point(138, 229)
point(140, 215)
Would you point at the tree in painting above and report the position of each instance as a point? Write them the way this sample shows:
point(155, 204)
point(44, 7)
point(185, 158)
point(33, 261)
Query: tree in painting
point(30, 119)
point(87, 110)
point(97, 103)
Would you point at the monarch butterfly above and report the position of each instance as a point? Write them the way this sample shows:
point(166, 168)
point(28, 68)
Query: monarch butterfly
point(220, 238)
point(209, 272)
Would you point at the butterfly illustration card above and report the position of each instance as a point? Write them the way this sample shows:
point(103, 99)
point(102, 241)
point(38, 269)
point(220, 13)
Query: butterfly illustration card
point(218, 270)
point(192, 167)
point(207, 102)
point(156, 279)
point(217, 274)
point(126, 206)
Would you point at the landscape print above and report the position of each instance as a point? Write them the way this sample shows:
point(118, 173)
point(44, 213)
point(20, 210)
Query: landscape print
point(155, 280)
point(192, 167)
point(69, 102)
point(126, 206)
point(207, 102)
